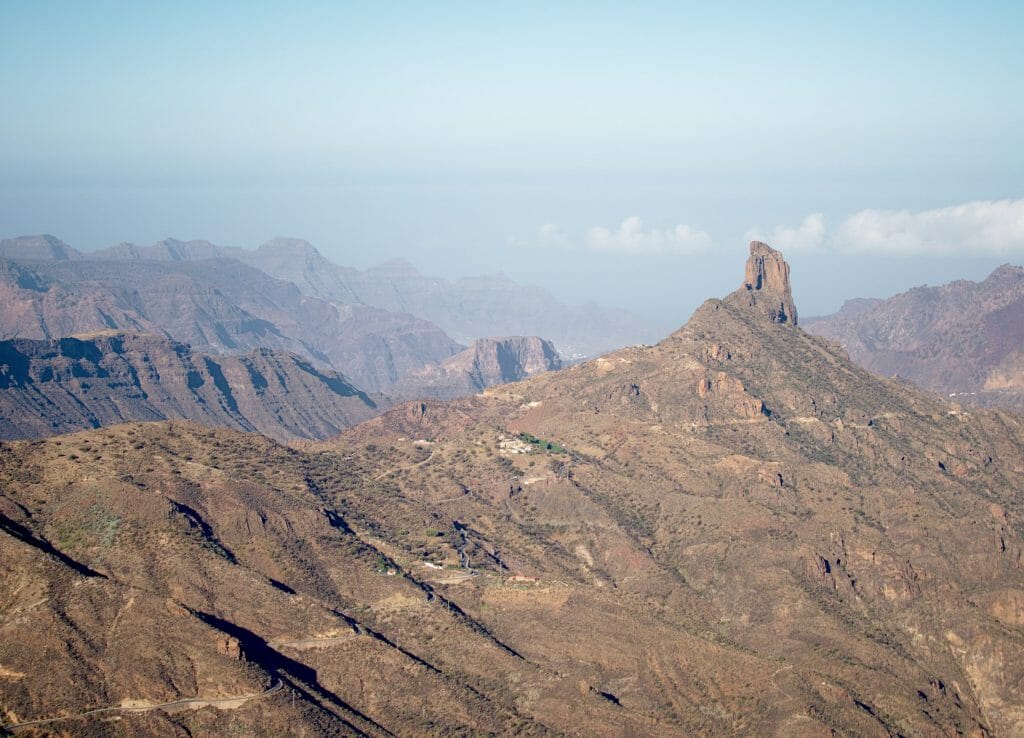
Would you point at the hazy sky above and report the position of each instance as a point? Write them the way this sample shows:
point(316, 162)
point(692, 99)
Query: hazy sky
point(621, 152)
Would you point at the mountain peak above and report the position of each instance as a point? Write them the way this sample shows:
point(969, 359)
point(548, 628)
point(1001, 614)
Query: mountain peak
point(285, 246)
point(42, 247)
point(1006, 272)
point(395, 268)
point(173, 249)
point(766, 285)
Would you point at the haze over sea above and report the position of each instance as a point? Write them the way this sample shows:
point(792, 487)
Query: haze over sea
point(608, 152)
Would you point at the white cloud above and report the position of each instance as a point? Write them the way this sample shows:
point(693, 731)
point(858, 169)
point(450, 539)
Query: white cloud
point(631, 238)
point(978, 227)
point(551, 235)
point(808, 236)
point(982, 226)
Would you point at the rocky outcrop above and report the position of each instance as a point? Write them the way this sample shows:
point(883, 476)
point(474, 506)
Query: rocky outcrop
point(67, 384)
point(489, 361)
point(766, 285)
point(734, 532)
point(497, 360)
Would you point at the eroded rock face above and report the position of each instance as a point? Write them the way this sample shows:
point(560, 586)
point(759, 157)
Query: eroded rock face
point(218, 305)
point(489, 361)
point(766, 284)
point(86, 381)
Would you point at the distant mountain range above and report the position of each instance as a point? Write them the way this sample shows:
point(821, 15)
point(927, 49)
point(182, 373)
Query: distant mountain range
point(66, 384)
point(467, 309)
point(218, 305)
point(964, 339)
point(283, 300)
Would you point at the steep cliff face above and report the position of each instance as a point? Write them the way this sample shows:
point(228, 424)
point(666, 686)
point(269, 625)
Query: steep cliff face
point(61, 385)
point(220, 305)
point(766, 285)
point(487, 362)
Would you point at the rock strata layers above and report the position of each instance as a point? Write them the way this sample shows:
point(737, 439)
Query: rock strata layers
point(67, 384)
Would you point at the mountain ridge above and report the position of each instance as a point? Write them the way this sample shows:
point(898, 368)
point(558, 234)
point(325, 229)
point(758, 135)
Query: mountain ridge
point(220, 305)
point(467, 308)
point(961, 339)
point(67, 384)
point(753, 457)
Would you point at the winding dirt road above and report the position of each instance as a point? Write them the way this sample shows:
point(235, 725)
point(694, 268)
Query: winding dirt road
point(203, 701)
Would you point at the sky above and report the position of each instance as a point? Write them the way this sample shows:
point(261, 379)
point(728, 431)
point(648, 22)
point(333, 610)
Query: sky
point(623, 153)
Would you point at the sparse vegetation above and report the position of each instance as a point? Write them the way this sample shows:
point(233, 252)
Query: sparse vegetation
point(697, 569)
point(541, 444)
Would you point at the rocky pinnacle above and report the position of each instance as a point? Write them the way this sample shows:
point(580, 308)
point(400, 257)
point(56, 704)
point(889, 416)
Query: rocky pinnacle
point(766, 284)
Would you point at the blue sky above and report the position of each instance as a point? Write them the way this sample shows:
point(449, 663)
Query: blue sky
point(622, 152)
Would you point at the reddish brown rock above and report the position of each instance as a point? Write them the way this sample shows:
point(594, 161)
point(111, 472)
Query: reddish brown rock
point(230, 647)
point(766, 285)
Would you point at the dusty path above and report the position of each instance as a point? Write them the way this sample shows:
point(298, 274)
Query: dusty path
point(304, 643)
point(454, 578)
point(403, 468)
point(194, 701)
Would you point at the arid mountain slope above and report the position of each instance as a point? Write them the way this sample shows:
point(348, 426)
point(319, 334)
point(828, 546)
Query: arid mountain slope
point(151, 563)
point(61, 385)
point(218, 305)
point(735, 532)
point(487, 362)
point(743, 476)
point(964, 338)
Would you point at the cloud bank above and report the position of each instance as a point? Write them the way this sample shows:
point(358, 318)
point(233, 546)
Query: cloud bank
point(993, 227)
point(808, 236)
point(550, 235)
point(976, 228)
point(630, 237)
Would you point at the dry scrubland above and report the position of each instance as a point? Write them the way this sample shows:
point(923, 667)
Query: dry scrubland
point(736, 531)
